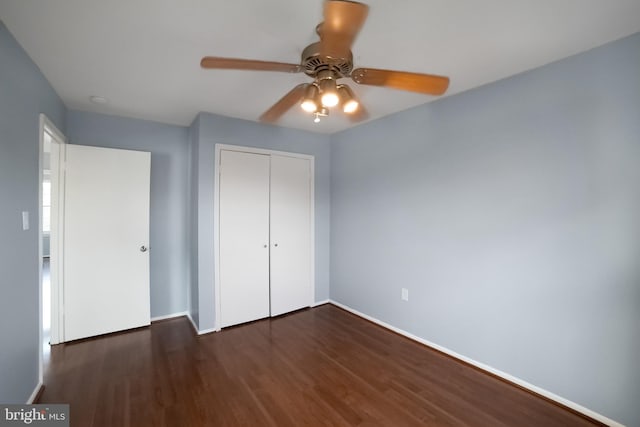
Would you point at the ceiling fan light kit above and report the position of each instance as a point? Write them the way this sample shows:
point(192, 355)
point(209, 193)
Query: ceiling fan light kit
point(326, 62)
point(311, 99)
point(329, 92)
point(349, 102)
point(323, 93)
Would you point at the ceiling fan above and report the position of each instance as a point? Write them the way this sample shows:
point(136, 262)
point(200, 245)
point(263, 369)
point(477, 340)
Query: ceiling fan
point(326, 62)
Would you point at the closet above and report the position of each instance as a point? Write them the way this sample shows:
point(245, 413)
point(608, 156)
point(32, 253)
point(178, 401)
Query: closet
point(265, 234)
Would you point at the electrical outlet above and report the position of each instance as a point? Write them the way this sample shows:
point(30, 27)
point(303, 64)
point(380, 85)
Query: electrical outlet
point(405, 294)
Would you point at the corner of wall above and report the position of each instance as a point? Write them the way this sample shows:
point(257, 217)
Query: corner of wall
point(192, 274)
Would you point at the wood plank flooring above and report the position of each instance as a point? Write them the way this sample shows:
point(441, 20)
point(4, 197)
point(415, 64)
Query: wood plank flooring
point(316, 367)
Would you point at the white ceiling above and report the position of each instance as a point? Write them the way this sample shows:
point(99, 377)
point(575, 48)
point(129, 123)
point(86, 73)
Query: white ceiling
point(144, 55)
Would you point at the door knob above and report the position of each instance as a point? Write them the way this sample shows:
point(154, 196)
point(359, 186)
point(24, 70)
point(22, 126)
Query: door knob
point(264, 246)
point(143, 248)
point(276, 245)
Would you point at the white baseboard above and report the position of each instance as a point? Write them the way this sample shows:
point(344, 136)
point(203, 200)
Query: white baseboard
point(35, 392)
point(169, 316)
point(195, 327)
point(317, 303)
point(184, 313)
point(208, 331)
point(586, 411)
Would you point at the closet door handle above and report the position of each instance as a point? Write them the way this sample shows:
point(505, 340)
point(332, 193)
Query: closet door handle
point(264, 246)
point(276, 245)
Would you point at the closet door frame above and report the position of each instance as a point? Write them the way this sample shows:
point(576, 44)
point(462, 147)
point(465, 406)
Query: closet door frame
point(216, 217)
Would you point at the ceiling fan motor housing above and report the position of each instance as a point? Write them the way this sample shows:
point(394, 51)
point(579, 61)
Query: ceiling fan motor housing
point(313, 63)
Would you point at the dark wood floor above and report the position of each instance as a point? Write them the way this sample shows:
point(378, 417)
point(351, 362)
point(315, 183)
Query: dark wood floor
point(317, 367)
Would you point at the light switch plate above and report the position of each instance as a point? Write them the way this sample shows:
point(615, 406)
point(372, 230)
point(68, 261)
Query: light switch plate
point(25, 220)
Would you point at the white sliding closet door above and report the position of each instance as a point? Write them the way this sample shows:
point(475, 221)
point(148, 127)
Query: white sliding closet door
point(244, 237)
point(290, 234)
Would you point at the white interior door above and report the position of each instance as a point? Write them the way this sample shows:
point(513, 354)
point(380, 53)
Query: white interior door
point(106, 236)
point(290, 234)
point(244, 237)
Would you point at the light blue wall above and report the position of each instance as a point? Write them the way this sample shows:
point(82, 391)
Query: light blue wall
point(512, 215)
point(194, 137)
point(169, 250)
point(215, 129)
point(24, 94)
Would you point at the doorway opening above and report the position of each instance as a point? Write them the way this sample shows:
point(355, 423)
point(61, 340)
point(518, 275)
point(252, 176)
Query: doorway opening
point(51, 143)
point(45, 241)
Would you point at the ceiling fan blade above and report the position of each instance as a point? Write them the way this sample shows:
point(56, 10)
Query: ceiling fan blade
point(359, 115)
point(412, 82)
point(285, 103)
point(214, 62)
point(342, 23)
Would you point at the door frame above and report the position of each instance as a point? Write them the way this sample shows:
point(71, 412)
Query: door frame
point(55, 235)
point(216, 217)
